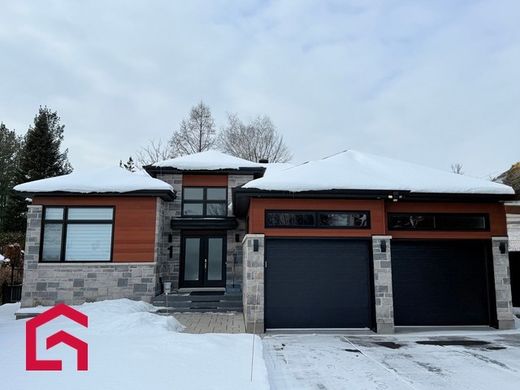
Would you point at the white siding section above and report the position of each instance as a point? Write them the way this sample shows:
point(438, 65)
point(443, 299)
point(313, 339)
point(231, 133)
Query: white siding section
point(513, 231)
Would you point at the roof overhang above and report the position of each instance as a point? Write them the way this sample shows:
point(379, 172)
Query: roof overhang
point(255, 171)
point(163, 194)
point(225, 223)
point(242, 196)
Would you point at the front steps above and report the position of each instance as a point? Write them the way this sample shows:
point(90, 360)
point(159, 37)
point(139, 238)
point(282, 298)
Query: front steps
point(195, 302)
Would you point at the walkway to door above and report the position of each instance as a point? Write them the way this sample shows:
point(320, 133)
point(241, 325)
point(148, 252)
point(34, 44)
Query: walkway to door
point(232, 322)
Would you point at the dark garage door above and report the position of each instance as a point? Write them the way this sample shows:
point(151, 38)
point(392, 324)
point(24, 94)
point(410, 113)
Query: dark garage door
point(514, 269)
point(317, 283)
point(442, 282)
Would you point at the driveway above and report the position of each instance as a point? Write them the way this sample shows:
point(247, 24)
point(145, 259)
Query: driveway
point(470, 360)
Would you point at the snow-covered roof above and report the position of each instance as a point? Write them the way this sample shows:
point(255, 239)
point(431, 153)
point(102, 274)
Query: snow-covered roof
point(208, 160)
point(107, 180)
point(271, 168)
point(353, 170)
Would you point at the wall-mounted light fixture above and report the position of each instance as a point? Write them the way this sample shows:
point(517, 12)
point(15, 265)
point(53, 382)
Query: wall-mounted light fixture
point(256, 244)
point(237, 237)
point(170, 237)
point(502, 247)
point(383, 246)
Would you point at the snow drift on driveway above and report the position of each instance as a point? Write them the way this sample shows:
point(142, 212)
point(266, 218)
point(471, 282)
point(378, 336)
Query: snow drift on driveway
point(131, 348)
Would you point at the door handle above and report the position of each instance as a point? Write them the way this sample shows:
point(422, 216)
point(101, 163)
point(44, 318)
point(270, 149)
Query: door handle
point(205, 264)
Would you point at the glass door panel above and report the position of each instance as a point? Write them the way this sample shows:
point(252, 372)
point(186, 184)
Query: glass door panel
point(215, 253)
point(191, 259)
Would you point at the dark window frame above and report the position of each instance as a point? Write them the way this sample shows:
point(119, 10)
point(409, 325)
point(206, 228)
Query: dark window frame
point(435, 228)
point(316, 219)
point(64, 222)
point(204, 201)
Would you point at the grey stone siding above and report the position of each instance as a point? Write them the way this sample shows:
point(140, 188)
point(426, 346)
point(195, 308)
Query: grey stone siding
point(234, 259)
point(168, 266)
point(253, 283)
point(75, 283)
point(504, 303)
point(384, 301)
point(71, 283)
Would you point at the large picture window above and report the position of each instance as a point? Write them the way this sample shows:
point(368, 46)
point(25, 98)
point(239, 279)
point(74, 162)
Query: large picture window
point(77, 234)
point(317, 219)
point(441, 221)
point(204, 202)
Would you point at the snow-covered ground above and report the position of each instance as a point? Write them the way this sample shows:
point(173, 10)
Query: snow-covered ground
point(131, 348)
point(489, 360)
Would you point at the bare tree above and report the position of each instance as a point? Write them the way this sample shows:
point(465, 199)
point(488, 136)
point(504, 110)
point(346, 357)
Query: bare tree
point(457, 168)
point(156, 150)
point(259, 139)
point(196, 133)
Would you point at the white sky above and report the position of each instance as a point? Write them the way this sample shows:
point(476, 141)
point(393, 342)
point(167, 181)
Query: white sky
point(433, 82)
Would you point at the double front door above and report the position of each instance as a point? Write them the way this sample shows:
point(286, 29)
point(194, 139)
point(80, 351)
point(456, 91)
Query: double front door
point(203, 261)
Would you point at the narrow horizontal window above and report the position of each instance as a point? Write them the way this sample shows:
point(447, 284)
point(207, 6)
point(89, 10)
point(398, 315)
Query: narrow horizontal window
point(54, 213)
point(439, 221)
point(90, 213)
point(317, 219)
point(77, 234)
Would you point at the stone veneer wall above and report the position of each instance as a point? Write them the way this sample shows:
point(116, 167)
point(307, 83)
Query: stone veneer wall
point(234, 262)
point(76, 283)
point(253, 283)
point(384, 301)
point(168, 267)
point(504, 303)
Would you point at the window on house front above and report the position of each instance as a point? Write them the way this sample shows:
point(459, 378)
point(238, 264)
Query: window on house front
point(317, 219)
point(77, 234)
point(431, 221)
point(204, 202)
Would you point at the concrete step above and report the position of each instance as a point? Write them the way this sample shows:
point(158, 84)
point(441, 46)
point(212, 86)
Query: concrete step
point(199, 303)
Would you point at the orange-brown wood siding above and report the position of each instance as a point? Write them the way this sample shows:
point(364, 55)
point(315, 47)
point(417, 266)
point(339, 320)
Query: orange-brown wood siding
point(204, 180)
point(496, 211)
point(134, 223)
point(258, 207)
point(378, 213)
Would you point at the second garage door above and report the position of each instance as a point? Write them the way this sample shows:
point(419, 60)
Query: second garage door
point(442, 282)
point(318, 283)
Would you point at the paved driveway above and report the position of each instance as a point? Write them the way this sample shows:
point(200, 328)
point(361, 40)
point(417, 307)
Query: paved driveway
point(481, 360)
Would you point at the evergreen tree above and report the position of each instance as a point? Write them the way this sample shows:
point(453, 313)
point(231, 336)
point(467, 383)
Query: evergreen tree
point(39, 158)
point(10, 145)
point(129, 165)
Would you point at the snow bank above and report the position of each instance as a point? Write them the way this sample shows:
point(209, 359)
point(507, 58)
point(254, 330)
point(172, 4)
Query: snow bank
point(353, 170)
point(208, 160)
point(111, 179)
point(130, 347)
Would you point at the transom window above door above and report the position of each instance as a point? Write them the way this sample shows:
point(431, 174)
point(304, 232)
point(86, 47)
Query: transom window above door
point(204, 202)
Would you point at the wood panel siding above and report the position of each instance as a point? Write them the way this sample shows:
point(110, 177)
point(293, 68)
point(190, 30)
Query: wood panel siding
point(134, 223)
point(259, 205)
point(496, 211)
point(378, 217)
point(204, 180)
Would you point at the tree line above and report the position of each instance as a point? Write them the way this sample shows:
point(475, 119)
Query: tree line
point(253, 140)
point(36, 155)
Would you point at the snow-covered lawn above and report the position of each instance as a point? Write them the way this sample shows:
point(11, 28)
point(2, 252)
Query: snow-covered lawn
point(490, 361)
point(131, 348)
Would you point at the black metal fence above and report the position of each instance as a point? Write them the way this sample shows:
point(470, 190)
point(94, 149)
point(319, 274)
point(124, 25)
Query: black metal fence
point(11, 289)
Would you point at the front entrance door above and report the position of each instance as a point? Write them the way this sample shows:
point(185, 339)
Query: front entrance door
point(203, 260)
